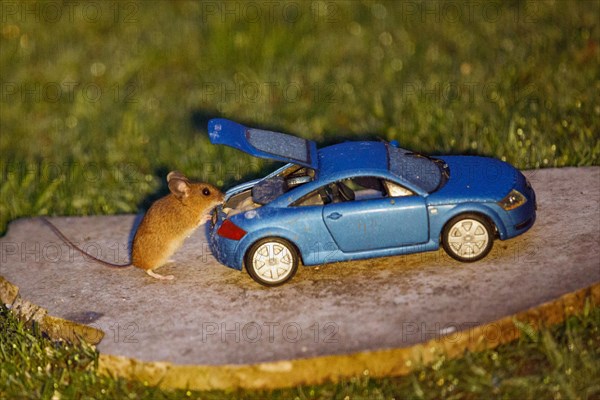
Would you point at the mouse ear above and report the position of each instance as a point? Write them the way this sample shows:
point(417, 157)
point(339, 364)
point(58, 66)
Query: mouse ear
point(179, 187)
point(176, 175)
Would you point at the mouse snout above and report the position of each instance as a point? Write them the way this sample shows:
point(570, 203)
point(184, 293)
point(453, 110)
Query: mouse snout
point(218, 197)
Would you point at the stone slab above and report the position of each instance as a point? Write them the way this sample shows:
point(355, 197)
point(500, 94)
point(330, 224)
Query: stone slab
point(213, 315)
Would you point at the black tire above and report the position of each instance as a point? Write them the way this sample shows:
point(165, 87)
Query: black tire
point(468, 237)
point(283, 256)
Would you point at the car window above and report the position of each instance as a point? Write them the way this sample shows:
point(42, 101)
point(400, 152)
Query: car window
point(354, 189)
point(369, 187)
point(312, 199)
point(359, 188)
point(396, 190)
point(366, 187)
point(319, 197)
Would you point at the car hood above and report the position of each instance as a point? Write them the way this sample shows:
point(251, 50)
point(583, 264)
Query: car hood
point(264, 144)
point(473, 178)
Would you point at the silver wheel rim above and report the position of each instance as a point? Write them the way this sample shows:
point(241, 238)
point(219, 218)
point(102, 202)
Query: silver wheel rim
point(468, 238)
point(272, 262)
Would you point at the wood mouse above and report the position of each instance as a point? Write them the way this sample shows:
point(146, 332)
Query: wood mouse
point(166, 224)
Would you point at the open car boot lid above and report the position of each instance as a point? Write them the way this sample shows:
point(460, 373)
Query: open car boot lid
point(262, 143)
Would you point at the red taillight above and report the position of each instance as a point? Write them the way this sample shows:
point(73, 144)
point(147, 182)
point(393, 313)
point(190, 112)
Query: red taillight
point(229, 230)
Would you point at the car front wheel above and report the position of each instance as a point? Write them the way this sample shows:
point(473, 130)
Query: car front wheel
point(272, 261)
point(468, 237)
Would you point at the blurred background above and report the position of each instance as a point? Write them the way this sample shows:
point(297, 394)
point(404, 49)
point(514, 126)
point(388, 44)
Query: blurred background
point(99, 100)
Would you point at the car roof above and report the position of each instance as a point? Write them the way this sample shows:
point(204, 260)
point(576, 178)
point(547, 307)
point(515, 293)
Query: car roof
point(346, 157)
point(378, 158)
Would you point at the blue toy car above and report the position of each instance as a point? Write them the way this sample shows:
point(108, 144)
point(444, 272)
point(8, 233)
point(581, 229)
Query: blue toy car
point(357, 200)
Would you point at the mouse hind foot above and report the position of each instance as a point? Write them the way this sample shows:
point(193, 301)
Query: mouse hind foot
point(159, 276)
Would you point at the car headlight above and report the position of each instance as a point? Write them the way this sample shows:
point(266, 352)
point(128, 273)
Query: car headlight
point(512, 200)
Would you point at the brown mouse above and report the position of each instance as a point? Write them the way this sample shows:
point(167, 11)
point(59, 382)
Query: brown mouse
point(166, 224)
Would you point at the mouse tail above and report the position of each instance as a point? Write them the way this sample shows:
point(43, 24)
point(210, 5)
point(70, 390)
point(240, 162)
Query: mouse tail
point(67, 241)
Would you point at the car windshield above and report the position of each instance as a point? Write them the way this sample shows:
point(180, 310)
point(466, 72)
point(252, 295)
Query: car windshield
point(280, 182)
point(428, 174)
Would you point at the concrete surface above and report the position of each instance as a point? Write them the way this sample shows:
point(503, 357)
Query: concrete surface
point(214, 315)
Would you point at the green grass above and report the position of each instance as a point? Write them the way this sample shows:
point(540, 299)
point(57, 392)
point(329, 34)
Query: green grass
point(99, 100)
point(558, 363)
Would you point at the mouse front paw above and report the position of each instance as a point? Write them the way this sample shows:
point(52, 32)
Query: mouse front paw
point(204, 219)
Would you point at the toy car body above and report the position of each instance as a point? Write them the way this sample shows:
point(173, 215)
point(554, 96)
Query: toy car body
point(357, 200)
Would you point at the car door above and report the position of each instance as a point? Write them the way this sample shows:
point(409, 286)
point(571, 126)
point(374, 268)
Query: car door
point(374, 223)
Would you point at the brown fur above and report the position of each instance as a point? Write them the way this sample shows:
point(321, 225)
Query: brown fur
point(168, 222)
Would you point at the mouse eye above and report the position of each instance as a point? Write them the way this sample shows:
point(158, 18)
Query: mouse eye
point(206, 192)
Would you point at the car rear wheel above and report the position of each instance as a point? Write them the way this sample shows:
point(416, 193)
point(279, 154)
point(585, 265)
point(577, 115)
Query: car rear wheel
point(468, 237)
point(272, 261)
